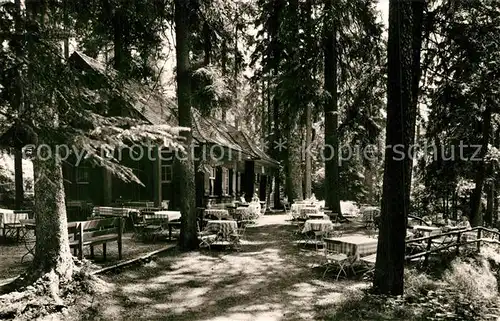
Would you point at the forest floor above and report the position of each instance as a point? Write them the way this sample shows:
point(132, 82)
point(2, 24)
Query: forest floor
point(12, 253)
point(271, 278)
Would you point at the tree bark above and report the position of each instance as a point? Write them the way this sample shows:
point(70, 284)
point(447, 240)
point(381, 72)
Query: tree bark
point(120, 47)
point(19, 99)
point(308, 169)
point(276, 53)
point(276, 153)
point(476, 218)
point(293, 166)
point(389, 267)
point(188, 238)
point(18, 178)
point(488, 217)
point(332, 191)
point(207, 44)
point(52, 252)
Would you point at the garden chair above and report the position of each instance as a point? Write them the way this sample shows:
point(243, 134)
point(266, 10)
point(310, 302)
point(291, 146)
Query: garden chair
point(238, 236)
point(206, 238)
point(335, 260)
point(138, 225)
point(153, 227)
point(368, 265)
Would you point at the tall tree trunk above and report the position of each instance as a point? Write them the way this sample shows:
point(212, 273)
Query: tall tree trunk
point(389, 267)
point(495, 190)
point(308, 169)
point(52, 251)
point(293, 166)
point(224, 72)
point(19, 101)
point(276, 139)
point(18, 178)
point(488, 217)
point(120, 47)
point(276, 153)
point(332, 184)
point(188, 238)
point(476, 215)
point(263, 117)
point(207, 44)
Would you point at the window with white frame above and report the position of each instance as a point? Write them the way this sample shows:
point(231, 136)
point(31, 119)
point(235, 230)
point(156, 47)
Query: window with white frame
point(166, 173)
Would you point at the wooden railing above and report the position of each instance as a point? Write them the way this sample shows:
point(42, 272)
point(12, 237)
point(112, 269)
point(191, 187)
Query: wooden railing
point(457, 243)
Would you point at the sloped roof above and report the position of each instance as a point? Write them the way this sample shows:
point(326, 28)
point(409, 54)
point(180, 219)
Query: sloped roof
point(158, 109)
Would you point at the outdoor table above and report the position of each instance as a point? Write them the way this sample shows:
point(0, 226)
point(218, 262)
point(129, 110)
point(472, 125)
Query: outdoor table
point(356, 245)
point(224, 229)
point(304, 211)
point(317, 226)
point(216, 212)
point(244, 213)
point(167, 216)
point(113, 211)
point(318, 216)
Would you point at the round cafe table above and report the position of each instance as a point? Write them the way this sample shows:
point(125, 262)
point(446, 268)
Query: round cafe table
point(224, 229)
point(317, 226)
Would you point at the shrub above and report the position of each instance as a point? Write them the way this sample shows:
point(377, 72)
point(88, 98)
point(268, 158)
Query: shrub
point(418, 284)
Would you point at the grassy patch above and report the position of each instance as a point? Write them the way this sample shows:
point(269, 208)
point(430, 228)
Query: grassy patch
point(467, 290)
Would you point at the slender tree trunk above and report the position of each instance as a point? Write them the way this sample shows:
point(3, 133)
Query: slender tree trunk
point(308, 169)
point(263, 117)
point(18, 160)
point(293, 166)
point(276, 154)
point(121, 52)
point(276, 139)
point(188, 238)
point(389, 267)
point(207, 43)
point(332, 183)
point(476, 217)
point(18, 171)
point(488, 218)
point(495, 190)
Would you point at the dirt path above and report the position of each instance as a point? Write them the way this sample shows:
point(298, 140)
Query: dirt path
point(269, 279)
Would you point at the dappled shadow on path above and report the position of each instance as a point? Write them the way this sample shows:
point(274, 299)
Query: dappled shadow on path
point(269, 279)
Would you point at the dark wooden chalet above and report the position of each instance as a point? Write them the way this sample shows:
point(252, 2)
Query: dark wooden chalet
point(227, 162)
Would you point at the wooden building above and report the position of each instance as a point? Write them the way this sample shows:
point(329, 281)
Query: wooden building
point(227, 162)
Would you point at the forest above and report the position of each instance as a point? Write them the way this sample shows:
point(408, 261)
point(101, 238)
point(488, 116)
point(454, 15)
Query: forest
point(390, 106)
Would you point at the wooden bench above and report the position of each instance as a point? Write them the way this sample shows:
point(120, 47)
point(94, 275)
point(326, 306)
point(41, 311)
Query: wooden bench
point(97, 232)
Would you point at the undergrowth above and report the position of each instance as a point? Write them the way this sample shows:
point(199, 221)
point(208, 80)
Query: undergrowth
point(466, 290)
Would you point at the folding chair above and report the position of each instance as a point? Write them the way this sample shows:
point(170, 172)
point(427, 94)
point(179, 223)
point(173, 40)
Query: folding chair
point(153, 227)
point(206, 238)
point(238, 236)
point(335, 260)
point(138, 225)
point(14, 228)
